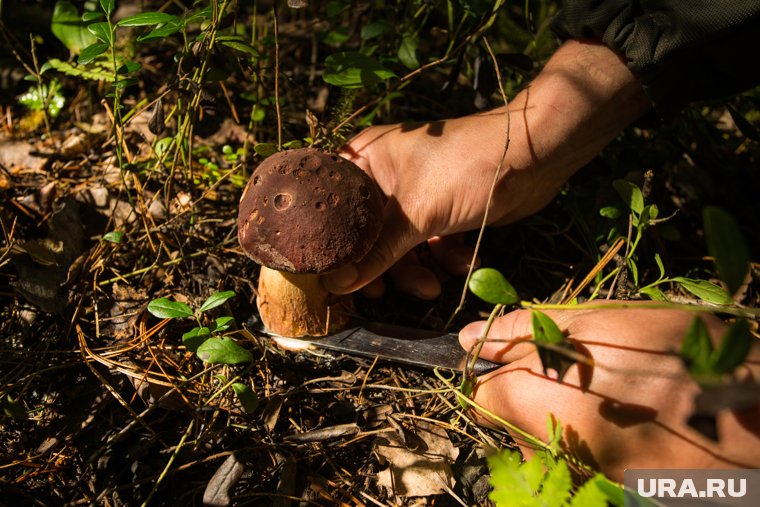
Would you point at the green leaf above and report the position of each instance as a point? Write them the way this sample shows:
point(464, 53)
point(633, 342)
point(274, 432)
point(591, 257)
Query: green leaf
point(195, 338)
point(354, 70)
point(612, 492)
point(247, 398)
point(727, 246)
point(129, 68)
point(148, 19)
point(162, 145)
point(660, 266)
point(634, 271)
point(162, 31)
point(589, 495)
point(114, 236)
point(223, 351)
point(101, 31)
point(223, 323)
point(91, 52)
point(631, 195)
point(511, 487)
point(554, 430)
point(123, 83)
point(407, 52)
point(67, 26)
point(546, 331)
point(241, 46)
point(90, 16)
point(654, 293)
point(216, 299)
point(705, 290)
point(697, 348)
point(265, 149)
point(292, 145)
point(375, 29)
point(490, 285)
point(556, 485)
point(734, 348)
point(166, 309)
point(107, 6)
point(610, 212)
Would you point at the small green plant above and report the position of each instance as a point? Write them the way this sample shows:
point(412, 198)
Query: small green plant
point(208, 342)
point(545, 480)
point(724, 240)
point(41, 97)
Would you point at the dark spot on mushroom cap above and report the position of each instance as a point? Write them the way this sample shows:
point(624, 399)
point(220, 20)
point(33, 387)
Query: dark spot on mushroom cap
point(281, 201)
point(326, 212)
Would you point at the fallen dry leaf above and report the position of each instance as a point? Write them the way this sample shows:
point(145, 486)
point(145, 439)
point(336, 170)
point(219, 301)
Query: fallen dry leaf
point(420, 472)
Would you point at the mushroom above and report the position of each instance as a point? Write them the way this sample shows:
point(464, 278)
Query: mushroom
point(305, 212)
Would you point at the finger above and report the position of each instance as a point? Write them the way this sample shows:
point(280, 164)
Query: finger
point(396, 238)
point(452, 253)
point(415, 279)
point(374, 289)
point(508, 336)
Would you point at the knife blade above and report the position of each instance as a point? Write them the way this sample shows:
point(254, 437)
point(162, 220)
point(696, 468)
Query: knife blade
point(415, 347)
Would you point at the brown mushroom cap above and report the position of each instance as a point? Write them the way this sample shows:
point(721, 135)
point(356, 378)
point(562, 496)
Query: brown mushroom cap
point(305, 211)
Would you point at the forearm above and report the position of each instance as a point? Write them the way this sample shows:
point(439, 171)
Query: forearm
point(581, 100)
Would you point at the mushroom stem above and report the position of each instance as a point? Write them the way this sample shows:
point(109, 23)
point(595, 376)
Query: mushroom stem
point(296, 305)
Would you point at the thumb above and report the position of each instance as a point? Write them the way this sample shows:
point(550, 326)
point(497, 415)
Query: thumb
point(506, 340)
point(397, 237)
point(508, 337)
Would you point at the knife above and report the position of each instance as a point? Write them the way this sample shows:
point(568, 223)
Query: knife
point(398, 344)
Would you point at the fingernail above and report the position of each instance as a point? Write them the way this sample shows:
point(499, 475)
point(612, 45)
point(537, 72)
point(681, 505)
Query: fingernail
point(341, 280)
point(472, 332)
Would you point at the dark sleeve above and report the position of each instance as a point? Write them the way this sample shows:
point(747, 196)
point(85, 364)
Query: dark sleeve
point(681, 50)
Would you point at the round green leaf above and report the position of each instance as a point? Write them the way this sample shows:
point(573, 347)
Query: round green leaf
point(407, 52)
point(166, 309)
point(491, 286)
point(223, 351)
point(216, 299)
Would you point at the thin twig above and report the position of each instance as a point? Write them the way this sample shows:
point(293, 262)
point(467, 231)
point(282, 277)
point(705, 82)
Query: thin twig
point(277, 76)
point(496, 175)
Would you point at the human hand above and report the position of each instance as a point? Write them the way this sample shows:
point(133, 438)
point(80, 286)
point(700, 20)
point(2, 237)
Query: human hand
point(630, 410)
point(437, 175)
